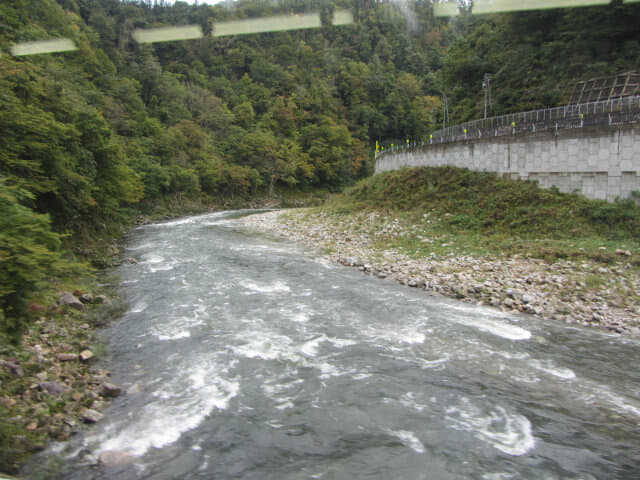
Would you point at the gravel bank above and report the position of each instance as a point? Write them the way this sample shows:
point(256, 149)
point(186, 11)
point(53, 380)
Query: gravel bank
point(582, 292)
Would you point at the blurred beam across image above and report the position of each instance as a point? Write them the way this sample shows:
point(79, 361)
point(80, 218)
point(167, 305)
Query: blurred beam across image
point(278, 23)
point(168, 34)
point(479, 7)
point(43, 46)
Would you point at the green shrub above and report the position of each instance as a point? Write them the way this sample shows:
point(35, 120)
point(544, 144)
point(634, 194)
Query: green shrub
point(30, 256)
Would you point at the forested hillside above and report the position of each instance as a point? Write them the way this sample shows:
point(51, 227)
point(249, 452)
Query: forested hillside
point(92, 136)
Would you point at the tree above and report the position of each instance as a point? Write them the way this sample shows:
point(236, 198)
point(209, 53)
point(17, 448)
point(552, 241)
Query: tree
point(30, 255)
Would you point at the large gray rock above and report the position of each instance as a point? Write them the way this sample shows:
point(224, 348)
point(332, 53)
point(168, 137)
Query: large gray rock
point(67, 299)
point(110, 390)
point(91, 416)
point(115, 459)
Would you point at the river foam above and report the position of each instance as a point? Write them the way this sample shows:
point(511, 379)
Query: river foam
point(179, 406)
point(508, 432)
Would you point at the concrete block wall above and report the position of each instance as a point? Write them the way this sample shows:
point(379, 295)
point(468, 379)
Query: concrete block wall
point(599, 162)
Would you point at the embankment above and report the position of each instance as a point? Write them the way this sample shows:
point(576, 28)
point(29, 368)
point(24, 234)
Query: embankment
point(526, 253)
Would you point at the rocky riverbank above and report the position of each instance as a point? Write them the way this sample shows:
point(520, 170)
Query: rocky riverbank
point(603, 295)
point(50, 385)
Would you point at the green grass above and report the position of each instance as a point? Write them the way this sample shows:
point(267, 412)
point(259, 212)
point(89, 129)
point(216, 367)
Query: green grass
point(479, 213)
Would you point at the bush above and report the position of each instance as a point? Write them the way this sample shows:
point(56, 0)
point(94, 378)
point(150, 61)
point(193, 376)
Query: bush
point(29, 257)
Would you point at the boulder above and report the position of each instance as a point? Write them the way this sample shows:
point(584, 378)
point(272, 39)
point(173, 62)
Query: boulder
point(115, 459)
point(110, 390)
point(67, 299)
point(91, 416)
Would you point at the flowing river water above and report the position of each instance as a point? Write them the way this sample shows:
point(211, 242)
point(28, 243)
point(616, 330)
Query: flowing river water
point(249, 358)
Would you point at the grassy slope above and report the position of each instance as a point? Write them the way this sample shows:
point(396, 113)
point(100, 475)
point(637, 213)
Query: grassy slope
point(478, 212)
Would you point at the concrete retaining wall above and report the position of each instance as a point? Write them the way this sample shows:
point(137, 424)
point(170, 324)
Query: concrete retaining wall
point(599, 162)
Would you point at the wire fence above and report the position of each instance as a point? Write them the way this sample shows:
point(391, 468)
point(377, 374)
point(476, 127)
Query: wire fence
point(606, 112)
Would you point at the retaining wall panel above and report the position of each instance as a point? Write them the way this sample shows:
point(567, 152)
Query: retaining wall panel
point(587, 159)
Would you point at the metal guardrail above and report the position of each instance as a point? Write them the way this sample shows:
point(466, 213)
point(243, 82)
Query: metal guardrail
point(606, 112)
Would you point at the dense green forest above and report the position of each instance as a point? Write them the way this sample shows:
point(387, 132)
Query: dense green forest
point(91, 137)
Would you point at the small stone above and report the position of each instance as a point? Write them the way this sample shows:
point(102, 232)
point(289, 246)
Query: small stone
point(86, 355)
point(86, 298)
point(7, 402)
point(100, 299)
point(67, 357)
point(526, 298)
point(510, 292)
point(110, 390)
point(134, 389)
point(76, 396)
point(508, 302)
point(98, 405)
point(53, 388)
point(91, 416)
point(31, 427)
point(14, 368)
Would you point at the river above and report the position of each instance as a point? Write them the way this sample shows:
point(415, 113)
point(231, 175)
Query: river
point(247, 357)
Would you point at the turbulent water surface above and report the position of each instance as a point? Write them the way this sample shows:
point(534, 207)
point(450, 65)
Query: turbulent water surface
point(253, 360)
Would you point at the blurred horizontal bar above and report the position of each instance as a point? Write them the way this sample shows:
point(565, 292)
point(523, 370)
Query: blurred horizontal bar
point(344, 17)
point(278, 23)
point(167, 34)
point(43, 46)
point(445, 9)
point(267, 24)
point(498, 6)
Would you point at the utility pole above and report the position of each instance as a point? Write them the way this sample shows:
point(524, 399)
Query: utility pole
point(486, 86)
